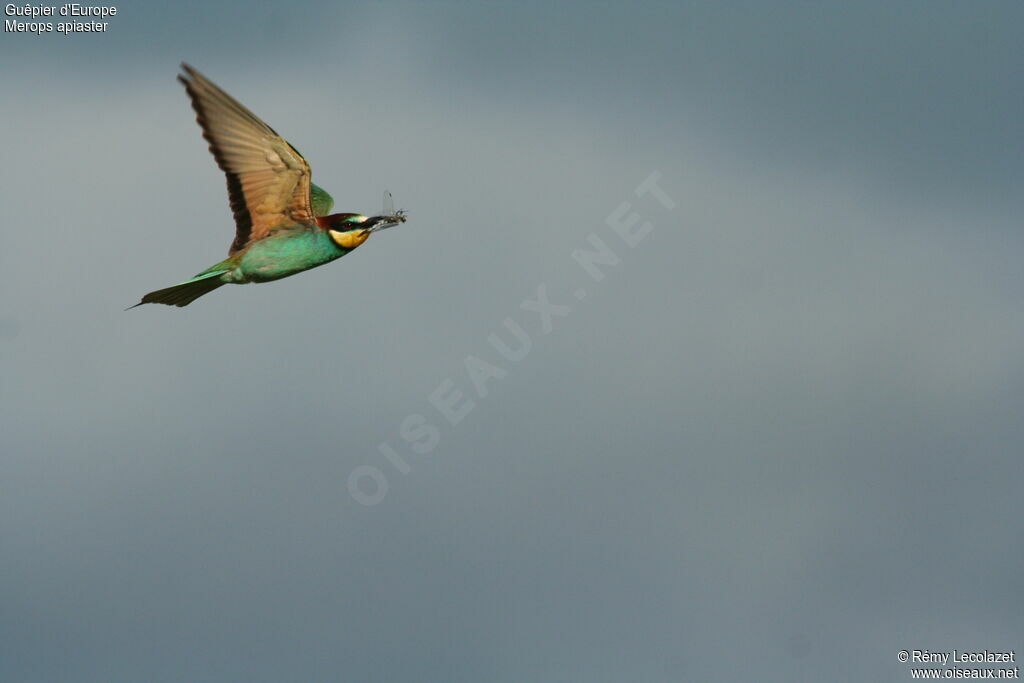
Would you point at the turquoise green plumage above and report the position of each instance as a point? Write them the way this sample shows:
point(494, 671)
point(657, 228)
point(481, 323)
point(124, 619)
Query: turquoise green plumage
point(283, 223)
point(321, 201)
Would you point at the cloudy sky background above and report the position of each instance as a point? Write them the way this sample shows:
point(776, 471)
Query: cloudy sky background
point(778, 441)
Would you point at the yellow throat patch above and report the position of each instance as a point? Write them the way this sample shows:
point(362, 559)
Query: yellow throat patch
point(350, 239)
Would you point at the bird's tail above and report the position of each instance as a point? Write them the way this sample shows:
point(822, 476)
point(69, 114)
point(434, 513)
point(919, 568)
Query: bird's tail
point(186, 292)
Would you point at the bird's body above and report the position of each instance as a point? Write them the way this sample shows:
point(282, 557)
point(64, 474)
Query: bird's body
point(286, 253)
point(283, 221)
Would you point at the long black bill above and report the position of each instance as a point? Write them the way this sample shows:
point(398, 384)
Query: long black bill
point(378, 223)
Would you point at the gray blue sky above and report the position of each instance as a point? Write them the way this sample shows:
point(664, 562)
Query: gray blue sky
point(778, 441)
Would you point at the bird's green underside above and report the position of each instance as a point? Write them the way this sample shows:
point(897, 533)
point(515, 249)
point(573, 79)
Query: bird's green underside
point(284, 253)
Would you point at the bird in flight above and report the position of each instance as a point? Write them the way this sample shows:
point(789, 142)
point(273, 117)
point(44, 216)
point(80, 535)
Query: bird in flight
point(282, 220)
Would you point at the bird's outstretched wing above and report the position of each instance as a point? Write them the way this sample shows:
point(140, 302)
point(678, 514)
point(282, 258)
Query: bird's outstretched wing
point(268, 180)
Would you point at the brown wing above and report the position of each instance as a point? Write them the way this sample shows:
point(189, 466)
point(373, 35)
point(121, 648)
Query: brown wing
point(268, 180)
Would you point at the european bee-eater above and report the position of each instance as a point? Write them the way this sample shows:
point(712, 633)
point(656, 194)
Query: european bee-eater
point(282, 226)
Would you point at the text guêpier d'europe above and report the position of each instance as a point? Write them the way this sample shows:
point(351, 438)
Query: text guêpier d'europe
point(33, 18)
